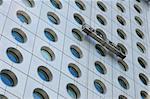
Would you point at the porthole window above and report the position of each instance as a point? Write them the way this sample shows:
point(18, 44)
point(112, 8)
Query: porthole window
point(144, 95)
point(100, 67)
point(1, 2)
point(120, 7)
point(14, 55)
point(122, 48)
point(123, 82)
point(121, 20)
point(77, 34)
point(142, 62)
point(76, 51)
point(19, 35)
point(123, 65)
point(144, 79)
point(137, 8)
point(74, 70)
point(50, 35)
point(79, 19)
point(53, 18)
point(47, 53)
point(121, 34)
point(101, 19)
point(73, 91)
point(23, 17)
point(56, 3)
point(100, 50)
point(100, 87)
point(40, 94)
point(140, 47)
point(44, 73)
point(138, 20)
point(3, 97)
point(122, 97)
point(138, 1)
point(101, 6)
point(8, 78)
point(101, 33)
point(139, 33)
point(29, 3)
point(80, 4)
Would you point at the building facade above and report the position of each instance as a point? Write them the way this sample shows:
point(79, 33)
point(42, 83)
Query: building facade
point(44, 54)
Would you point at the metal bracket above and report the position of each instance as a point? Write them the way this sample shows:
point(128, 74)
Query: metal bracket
point(102, 39)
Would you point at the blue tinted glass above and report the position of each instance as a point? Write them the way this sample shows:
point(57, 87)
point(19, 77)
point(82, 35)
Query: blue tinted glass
point(12, 56)
point(99, 68)
point(43, 75)
point(72, 93)
point(49, 36)
point(37, 95)
point(122, 83)
point(52, 19)
point(22, 18)
point(78, 20)
point(6, 79)
point(98, 87)
point(17, 36)
point(46, 55)
point(75, 52)
point(73, 71)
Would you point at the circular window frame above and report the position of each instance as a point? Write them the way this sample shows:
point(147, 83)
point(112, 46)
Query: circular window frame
point(46, 71)
point(49, 51)
point(55, 19)
point(101, 6)
point(121, 20)
point(21, 33)
point(57, 4)
point(3, 97)
point(51, 32)
point(29, 3)
point(82, 5)
point(138, 20)
point(77, 34)
point(144, 94)
point(123, 65)
point(121, 34)
point(122, 97)
point(100, 49)
point(101, 33)
point(101, 19)
point(122, 48)
point(78, 17)
point(137, 8)
point(139, 33)
point(75, 89)
point(25, 15)
point(145, 78)
point(127, 86)
point(141, 47)
point(17, 54)
point(11, 75)
point(41, 92)
point(101, 84)
point(76, 68)
point(101, 65)
point(120, 7)
point(78, 50)
point(142, 62)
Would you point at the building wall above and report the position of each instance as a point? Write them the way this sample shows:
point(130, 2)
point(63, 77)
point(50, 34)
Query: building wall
point(26, 71)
